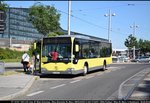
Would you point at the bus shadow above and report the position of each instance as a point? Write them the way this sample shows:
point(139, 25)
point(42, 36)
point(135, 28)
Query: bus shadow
point(67, 76)
point(58, 76)
point(96, 71)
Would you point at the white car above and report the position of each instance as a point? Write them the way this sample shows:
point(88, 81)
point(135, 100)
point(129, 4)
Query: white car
point(143, 59)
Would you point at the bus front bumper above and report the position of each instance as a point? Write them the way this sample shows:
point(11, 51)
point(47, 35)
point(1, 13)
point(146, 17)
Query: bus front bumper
point(68, 71)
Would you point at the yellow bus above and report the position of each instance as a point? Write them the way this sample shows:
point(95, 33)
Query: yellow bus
point(76, 54)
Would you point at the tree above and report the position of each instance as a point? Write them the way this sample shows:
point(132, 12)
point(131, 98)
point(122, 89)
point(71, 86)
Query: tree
point(55, 33)
point(3, 6)
point(144, 46)
point(44, 18)
point(130, 42)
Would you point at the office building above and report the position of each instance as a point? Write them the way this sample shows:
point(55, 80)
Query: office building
point(18, 27)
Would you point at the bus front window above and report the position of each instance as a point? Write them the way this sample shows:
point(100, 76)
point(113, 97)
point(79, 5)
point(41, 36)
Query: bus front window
point(57, 52)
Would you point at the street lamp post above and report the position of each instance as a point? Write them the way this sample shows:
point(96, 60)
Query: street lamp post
point(134, 31)
point(109, 15)
point(134, 26)
point(69, 14)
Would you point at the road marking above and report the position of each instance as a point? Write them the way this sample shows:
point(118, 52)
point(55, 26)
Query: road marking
point(135, 79)
point(89, 77)
point(75, 81)
point(35, 93)
point(107, 71)
point(58, 86)
point(114, 69)
point(113, 96)
point(99, 74)
point(111, 67)
point(140, 94)
point(128, 85)
point(144, 85)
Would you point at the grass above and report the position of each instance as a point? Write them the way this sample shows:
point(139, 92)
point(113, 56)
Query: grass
point(11, 60)
point(7, 73)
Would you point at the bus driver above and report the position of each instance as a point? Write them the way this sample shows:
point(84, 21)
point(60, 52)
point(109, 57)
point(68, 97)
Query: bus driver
point(54, 55)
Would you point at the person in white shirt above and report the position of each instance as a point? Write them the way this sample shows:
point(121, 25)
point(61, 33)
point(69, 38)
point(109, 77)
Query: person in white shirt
point(25, 61)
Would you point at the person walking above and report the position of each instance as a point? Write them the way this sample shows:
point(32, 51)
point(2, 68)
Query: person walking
point(33, 62)
point(25, 61)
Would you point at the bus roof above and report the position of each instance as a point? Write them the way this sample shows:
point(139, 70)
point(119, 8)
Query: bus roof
point(83, 36)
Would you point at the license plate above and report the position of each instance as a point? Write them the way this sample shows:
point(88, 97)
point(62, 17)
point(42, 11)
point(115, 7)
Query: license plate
point(56, 72)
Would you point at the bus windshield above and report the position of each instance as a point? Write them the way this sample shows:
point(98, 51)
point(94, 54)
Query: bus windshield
point(57, 52)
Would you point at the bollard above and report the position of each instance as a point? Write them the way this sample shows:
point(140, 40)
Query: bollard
point(2, 67)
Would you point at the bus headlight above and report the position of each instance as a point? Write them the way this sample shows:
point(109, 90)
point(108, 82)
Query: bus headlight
point(70, 69)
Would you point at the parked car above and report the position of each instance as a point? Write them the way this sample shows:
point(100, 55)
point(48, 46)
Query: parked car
point(125, 58)
point(142, 59)
point(120, 59)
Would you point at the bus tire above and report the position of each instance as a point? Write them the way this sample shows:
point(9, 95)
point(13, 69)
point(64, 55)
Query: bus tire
point(85, 70)
point(104, 66)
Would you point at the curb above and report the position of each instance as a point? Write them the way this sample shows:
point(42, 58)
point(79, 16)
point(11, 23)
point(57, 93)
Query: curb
point(141, 75)
point(21, 92)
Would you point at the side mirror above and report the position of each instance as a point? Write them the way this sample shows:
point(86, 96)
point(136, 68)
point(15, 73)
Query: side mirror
point(76, 48)
point(34, 46)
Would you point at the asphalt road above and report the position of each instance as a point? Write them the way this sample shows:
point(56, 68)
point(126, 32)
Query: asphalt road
point(13, 66)
point(99, 85)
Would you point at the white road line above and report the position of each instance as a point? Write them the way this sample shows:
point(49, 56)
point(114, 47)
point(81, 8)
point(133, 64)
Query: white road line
point(107, 71)
point(75, 81)
point(58, 86)
point(99, 74)
point(113, 96)
point(128, 85)
point(111, 67)
point(114, 69)
point(140, 94)
point(89, 77)
point(144, 85)
point(35, 93)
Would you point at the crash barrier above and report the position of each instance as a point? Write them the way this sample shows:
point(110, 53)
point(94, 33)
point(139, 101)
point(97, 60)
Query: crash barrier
point(2, 67)
point(127, 87)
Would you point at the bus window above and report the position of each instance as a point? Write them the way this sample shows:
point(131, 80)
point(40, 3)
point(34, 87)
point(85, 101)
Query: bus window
point(57, 52)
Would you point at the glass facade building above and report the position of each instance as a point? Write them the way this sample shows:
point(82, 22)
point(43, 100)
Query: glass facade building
point(18, 27)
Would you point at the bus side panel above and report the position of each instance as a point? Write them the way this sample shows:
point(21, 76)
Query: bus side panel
point(57, 66)
point(92, 63)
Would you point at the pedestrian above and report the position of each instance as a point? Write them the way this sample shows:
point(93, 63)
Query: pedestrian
point(33, 64)
point(25, 61)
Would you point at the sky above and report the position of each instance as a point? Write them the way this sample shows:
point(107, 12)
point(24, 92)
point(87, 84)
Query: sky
point(87, 17)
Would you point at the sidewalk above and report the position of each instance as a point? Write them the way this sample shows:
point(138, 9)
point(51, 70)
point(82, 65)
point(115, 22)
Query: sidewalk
point(142, 92)
point(14, 85)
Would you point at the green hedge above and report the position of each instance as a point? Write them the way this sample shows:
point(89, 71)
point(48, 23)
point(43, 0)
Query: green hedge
point(10, 54)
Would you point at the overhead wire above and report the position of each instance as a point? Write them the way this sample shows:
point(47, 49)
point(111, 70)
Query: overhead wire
point(90, 23)
point(80, 10)
point(116, 6)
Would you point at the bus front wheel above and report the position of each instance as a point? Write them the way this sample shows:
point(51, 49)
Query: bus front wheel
point(85, 70)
